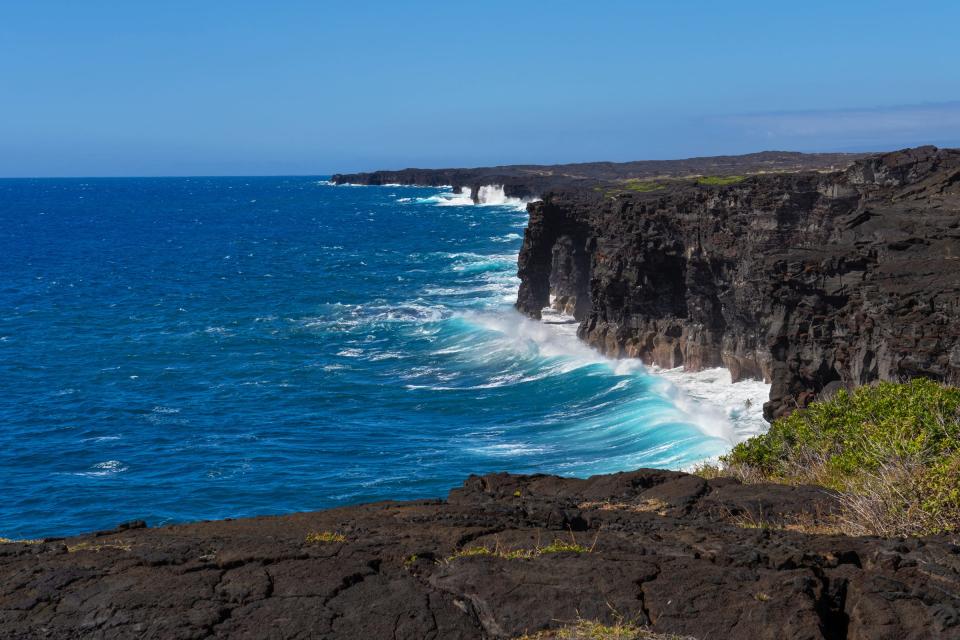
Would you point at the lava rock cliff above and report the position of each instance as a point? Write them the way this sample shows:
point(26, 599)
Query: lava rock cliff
point(810, 280)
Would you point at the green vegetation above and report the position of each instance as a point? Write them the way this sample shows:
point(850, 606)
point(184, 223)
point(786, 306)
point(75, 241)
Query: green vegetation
point(720, 181)
point(634, 184)
point(640, 186)
point(561, 546)
point(325, 537)
point(891, 451)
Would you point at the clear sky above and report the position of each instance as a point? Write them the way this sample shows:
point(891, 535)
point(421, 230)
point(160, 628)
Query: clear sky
point(122, 87)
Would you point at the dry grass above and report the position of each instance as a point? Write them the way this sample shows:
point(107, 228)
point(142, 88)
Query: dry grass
point(12, 541)
point(98, 546)
point(647, 506)
point(590, 630)
point(890, 502)
point(887, 502)
point(557, 546)
point(325, 537)
point(808, 523)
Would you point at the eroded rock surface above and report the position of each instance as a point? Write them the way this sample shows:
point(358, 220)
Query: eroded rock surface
point(812, 281)
point(660, 548)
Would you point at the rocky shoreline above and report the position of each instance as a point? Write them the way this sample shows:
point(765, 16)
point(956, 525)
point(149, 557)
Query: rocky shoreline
point(785, 267)
point(503, 556)
point(811, 272)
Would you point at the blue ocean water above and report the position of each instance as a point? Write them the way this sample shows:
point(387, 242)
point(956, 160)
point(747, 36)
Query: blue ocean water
point(185, 349)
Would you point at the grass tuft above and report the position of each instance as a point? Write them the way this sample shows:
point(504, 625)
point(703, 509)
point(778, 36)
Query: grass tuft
point(98, 546)
point(562, 546)
point(592, 630)
point(325, 537)
point(557, 546)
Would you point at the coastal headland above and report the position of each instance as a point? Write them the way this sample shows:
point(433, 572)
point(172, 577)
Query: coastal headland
point(819, 273)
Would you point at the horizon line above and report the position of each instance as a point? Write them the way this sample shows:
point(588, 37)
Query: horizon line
point(482, 166)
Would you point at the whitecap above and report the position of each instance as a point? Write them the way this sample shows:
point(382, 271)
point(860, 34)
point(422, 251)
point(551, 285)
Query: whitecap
point(165, 410)
point(101, 469)
point(510, 449)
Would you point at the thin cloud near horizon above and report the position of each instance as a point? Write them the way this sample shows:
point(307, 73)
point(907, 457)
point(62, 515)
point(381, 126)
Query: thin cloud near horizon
point(909, 125)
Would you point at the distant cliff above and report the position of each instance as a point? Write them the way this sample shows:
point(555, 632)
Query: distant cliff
point(525, 181)
point(812, 281)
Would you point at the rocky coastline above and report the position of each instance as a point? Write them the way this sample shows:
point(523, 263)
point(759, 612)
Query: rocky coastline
point(812, 281)
point(815, 273)
point(501, 557)
point(529, 181)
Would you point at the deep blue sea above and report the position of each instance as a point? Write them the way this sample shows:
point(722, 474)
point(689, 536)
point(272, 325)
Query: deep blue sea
point(197, 348)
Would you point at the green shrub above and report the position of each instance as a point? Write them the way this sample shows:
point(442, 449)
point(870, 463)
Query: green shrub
point(892, 451)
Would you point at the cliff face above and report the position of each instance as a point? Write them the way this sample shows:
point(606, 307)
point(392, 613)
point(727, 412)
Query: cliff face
point(811, 281)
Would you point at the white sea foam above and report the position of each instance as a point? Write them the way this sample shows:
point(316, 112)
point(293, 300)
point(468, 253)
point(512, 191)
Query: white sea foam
point(510, 449)
point(448, 198)
point(492, 195)
point(102, 469)
point(706, 399)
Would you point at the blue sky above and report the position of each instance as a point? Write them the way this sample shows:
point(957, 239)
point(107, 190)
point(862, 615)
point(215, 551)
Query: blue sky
point(239, 88)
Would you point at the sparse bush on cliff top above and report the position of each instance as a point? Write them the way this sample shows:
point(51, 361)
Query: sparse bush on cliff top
point(891, 450)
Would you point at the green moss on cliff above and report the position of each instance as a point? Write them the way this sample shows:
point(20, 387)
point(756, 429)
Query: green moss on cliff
point(641, 186)
point(720, 181)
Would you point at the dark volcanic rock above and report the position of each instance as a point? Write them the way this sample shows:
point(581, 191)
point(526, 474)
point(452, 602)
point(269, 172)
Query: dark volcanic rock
point(812, 281)
point(664, 550)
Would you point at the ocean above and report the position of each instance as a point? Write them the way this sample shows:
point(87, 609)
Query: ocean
point(181, 349)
